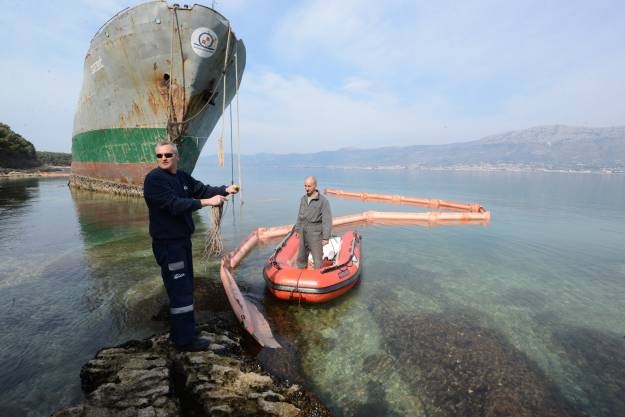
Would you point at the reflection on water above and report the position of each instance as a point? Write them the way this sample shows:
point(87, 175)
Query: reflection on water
point(75, 276)
point(119, 256)
point(519, 317)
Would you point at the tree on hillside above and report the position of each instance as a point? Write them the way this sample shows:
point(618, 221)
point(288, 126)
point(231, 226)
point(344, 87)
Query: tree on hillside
point(54, 158)
point(15, 151)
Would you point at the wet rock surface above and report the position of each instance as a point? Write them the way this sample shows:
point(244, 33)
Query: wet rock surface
point(149, 378)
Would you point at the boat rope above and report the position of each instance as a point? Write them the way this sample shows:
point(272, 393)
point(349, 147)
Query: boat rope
point(296, 289)
point(184, 84)
point(231, 152)
point(201, 110)
point(236, 95)
point(170, 103)
point(174, 128)
point(220, 141)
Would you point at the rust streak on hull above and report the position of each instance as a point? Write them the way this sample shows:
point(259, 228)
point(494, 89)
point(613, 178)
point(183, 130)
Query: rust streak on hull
point(124, 173)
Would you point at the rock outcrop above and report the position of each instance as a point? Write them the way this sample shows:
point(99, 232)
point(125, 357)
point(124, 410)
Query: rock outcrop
point(149, 378)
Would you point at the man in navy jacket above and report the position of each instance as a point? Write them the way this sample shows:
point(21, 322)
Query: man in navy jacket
point(172, 195)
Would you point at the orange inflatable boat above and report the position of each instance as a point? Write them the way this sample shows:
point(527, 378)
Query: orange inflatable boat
point(338, 274)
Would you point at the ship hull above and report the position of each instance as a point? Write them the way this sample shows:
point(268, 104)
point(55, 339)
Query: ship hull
point(153, 72)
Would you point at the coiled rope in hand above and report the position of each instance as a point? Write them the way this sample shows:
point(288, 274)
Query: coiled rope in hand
point(213, 244)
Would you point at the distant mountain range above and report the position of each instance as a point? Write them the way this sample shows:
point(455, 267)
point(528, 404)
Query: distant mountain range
point(539, 148)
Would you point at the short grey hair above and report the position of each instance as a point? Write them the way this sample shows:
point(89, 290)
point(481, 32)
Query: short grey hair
point(165, 142)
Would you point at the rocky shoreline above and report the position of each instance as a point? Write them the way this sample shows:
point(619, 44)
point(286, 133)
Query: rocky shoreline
point(48, 171)
point(150, 378)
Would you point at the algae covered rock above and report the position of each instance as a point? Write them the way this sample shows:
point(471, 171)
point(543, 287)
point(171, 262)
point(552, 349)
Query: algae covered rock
point(149, 378)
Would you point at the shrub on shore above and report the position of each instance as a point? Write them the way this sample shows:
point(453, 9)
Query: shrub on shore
point(55, 158)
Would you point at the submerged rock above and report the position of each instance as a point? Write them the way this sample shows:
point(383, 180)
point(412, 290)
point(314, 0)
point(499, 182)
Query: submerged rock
point(149, 378)
point(464, 368)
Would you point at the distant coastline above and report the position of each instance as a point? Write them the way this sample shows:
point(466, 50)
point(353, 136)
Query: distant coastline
point(47, 171)
point(459, 168)
point(481, 168)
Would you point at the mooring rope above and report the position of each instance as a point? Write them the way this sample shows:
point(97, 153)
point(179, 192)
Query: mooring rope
point(220, 141)
point(236, 94)
point(170, 103)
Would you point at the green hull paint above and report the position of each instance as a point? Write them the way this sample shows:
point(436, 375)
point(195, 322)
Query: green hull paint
point(128, 146)
point(124, 146)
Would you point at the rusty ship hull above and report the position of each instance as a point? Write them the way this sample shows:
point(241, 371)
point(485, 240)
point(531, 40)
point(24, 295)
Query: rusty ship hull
point(153, 71)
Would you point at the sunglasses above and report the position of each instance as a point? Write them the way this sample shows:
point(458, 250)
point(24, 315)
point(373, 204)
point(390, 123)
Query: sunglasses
point(166, 155)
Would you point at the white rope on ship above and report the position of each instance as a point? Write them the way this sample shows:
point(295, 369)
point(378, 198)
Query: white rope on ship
point(212, 96)
point(220, 140)
point(184, 83)
point(173, 126)
point(170, 103)
point(236, 94)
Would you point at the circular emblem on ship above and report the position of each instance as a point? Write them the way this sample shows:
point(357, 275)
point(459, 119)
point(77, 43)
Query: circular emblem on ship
point(204, 42)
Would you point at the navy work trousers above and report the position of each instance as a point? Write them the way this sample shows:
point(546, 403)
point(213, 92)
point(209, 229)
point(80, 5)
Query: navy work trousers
point(176, 262)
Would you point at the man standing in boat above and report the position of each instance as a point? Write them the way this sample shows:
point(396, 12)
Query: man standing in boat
point(314, 224)
point(172, 195)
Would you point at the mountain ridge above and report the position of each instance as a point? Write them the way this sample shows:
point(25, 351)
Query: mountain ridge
point(548, 147)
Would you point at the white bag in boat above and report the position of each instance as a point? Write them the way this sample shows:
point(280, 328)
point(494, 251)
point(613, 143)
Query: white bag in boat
point(330, 249)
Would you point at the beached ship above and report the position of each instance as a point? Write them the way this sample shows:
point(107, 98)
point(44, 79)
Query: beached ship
point(153, 71)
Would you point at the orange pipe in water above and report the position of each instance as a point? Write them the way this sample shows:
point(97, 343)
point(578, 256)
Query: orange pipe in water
point(399, 199)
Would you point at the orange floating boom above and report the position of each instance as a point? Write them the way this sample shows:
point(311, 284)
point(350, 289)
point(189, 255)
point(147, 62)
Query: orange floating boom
point(411, 201)
point(247, 313)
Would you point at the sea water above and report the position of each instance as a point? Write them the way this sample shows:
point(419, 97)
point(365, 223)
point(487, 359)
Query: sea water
point(526, 311)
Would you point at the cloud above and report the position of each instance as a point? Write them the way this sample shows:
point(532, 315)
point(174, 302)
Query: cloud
point(357, 85)
point(419, 46)
point(285, 114)
point(326, 75)
point(587, 96)
point(448, 71)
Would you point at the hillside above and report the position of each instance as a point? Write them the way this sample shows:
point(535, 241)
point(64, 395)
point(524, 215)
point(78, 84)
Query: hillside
point(541, 148)
point(15, 151)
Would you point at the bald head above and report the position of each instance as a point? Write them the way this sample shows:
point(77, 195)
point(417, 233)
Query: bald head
point(310, 185)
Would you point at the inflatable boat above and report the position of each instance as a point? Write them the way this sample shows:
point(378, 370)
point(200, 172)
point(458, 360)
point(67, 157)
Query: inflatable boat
point(340, 270)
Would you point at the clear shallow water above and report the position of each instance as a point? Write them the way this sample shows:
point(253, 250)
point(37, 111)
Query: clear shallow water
point(526, 310)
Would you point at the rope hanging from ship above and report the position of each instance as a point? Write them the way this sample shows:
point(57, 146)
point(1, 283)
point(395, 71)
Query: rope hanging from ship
point(213, 244)
point(236, 95)
point(220, 140)
point(175, 127)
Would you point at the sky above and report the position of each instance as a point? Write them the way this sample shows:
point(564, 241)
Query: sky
point(330, 74)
